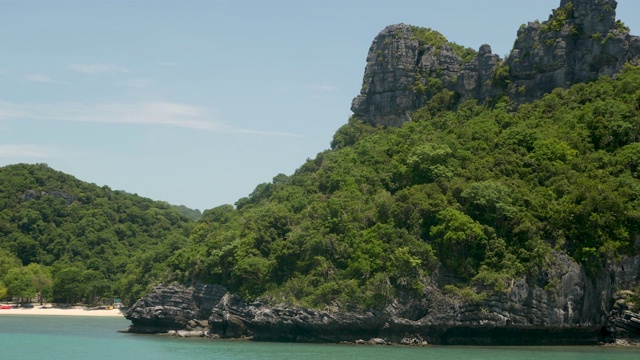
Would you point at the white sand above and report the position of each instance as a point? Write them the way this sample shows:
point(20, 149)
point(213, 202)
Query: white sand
point(58, 311)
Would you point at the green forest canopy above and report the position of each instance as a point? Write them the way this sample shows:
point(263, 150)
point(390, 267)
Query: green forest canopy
point(87, 242)
point(482, 193)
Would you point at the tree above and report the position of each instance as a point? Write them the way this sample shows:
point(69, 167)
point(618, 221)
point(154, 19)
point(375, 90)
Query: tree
point(95, 286)
point(460, 242)
point(68, 284)
point(8, 261)
point(3, 290)
point(489, 202)
point(19, 283)
point(42, 281)
point(429, 162)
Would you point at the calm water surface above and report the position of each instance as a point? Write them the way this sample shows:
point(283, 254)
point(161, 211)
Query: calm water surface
point(57, 338)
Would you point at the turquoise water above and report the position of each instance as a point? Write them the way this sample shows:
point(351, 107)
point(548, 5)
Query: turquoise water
point(57, 338)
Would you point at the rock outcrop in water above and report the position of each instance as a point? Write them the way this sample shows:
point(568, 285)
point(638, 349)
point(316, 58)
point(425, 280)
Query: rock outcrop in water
point(175, 307)
point(565, 307)
point(407, 66)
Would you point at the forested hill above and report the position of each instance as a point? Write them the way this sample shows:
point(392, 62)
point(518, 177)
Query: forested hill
point(467, 201)
point(82, 241)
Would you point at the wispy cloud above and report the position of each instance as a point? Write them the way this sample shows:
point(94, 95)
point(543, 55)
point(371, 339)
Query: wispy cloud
point(142, 113)
point(23, 151)
point(150, 113)
point(9, 110)
point(140, 83)
point(321, 87)
point(96, 69)
point(43, 79)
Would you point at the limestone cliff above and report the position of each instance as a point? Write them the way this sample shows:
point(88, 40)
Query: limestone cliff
point(564, 306)
point(580, 42)
point(407, 65)
point(172, 308)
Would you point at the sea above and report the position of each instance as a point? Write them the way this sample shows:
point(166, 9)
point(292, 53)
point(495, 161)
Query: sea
point(66, 337)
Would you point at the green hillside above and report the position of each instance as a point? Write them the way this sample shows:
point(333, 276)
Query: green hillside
point(481, 194)
point(84, 242)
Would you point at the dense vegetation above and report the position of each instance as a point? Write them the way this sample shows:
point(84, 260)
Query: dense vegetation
point(70, 241)
point(193, 214)
point(428, 37)
point(483, 194)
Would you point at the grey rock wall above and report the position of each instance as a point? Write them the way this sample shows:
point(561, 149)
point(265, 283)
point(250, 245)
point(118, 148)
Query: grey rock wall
point(580, 41)
point(562, 306)
point(402, 75)
point(174, 307)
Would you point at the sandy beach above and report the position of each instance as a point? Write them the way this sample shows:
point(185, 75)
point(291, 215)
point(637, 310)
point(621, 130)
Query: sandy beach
point(50, 310)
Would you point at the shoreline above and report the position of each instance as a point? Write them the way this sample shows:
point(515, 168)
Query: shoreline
point(51, 310)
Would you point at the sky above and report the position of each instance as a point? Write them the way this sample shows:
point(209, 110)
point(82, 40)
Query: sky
point(195, 102)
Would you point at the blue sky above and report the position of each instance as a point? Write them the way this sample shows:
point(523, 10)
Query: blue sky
point(197, 102)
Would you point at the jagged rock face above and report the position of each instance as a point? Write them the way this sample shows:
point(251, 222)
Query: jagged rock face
point(477, 79)
point(402, 74)
point(386, 97)
point(592, 16)
point(562, 306)
point(580, 42)
point(172, 307)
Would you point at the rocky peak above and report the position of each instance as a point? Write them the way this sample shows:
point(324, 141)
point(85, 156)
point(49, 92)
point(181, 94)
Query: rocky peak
point(592, 16)
point(408, 65)
point(580, 42)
